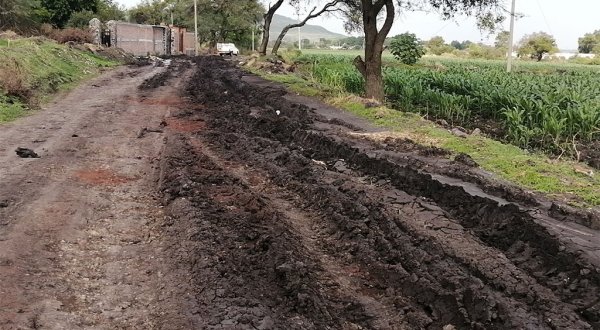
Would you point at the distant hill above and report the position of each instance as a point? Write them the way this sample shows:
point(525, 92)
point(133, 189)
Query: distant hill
point(308, 31)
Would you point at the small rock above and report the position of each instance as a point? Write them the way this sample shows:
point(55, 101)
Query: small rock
point(442, 122)
point(449, 327)
point(74, 135)
point(4, 203)
point(459, 133)
point(584, 271)
point(26, 153)
point(372, 104)
point(465, 159)
point(476, 132)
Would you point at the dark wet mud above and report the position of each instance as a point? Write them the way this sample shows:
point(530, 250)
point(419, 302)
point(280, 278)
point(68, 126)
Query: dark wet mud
point(286, 222)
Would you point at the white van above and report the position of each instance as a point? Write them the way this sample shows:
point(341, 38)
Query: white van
point(227, 49)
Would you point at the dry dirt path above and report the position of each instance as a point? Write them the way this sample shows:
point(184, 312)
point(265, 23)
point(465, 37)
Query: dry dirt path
point(80, 239)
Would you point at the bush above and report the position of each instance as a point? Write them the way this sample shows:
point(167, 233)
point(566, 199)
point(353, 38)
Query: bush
point(586, 61)
point(291, 55)
point(79, 36)
point(13, 82)
point(407, 48)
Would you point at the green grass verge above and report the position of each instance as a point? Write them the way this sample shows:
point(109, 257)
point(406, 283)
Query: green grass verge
point(42, 68)
point(559, 179)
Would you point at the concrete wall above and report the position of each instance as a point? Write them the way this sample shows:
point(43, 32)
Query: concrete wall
point(182, 41)
point(140, 39)
point(189, 43)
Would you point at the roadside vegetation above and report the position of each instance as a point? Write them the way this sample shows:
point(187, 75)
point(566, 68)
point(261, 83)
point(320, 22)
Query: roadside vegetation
point(544, 106)
point(447, 89)
point(32, 69)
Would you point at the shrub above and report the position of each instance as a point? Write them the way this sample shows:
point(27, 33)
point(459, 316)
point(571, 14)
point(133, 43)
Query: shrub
point(407, 48)
point(12, 81)
point(79, 36)
point(291, 55)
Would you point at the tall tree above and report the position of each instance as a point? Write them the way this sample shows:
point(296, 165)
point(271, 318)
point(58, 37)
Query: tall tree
point(536, 45)
point(227, 20)
point(149, 12)
point(106, 10)
point(437, 46)
point(589, 41)
point(60, 11)
point(362, 15)
point(502, 41)
point(328, 7)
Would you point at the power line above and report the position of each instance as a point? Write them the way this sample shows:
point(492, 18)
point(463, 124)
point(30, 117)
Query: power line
point(544, 16)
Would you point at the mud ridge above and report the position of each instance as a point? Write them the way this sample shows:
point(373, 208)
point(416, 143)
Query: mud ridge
point(446, 256)
point(247, 264)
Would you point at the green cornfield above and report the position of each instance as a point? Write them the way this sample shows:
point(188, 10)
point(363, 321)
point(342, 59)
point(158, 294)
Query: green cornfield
point(541, 105)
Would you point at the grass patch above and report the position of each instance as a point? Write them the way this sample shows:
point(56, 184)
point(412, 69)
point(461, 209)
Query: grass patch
point(565, 180)
point(34, 69)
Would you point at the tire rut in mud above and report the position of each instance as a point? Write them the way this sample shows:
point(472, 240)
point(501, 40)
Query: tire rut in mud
point(440, 255)
point(249, 267)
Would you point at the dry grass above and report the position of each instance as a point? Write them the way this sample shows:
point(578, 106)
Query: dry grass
point(78, 36)
point(12, 81)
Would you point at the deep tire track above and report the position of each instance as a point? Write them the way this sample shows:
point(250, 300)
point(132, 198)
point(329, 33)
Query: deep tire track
point(443, 256)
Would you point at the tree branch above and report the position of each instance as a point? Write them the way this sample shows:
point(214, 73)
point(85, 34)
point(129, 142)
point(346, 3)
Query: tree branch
point(387, 25)
point(378, 5)
point(273, 9)
point(360, 65)
point(329, 7)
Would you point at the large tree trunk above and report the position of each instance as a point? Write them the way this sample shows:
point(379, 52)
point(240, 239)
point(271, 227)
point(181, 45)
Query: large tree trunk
point(280, 39)
point(540, 57)
point(370, 67)
point(268, 17)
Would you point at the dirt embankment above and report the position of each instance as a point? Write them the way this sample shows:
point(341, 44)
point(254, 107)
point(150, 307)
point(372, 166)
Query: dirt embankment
point(289, 223)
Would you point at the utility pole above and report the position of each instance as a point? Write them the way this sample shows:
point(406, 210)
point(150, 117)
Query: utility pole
point(511, 38)
point(253, 26)
point(196, 27)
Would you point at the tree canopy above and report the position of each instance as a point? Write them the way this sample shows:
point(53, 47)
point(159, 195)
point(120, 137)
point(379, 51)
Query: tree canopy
point(20, 15)
point(218, 20)
point(536, 45)
point(59, 11)
point(27, 15)
point(407, 48)
point(502, 41)
point(590, 43)
point(460, 45)
point(106, 10)
point(437, 46)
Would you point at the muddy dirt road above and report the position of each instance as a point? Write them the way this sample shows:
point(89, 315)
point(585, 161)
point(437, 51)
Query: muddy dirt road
point(81, 243)
point(240, 207)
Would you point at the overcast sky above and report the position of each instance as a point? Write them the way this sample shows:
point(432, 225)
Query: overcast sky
point(566, 20)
